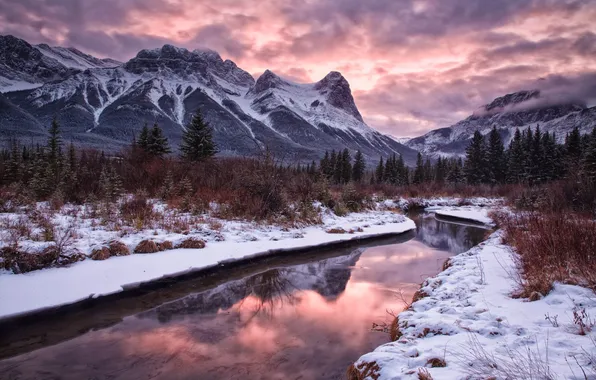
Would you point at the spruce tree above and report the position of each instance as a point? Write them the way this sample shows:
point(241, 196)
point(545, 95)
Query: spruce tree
point(197, 141)
point(346, 167)
point(589, 163)
point(475, 166)
point(359, 167)
point(419, 171)
point(157, 143)
point(143, 141)
point(573, 150)
point(516, 159)
point(379, 171)
point(496, 158)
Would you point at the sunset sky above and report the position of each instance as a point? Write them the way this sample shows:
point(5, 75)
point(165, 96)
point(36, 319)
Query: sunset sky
point(413, 65)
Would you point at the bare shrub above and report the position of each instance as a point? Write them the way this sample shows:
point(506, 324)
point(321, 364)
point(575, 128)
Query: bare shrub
point(138, 212)
point(552, 248)
point(584, 322)
point(146, 246)
point(191, 243)
point(15, 230)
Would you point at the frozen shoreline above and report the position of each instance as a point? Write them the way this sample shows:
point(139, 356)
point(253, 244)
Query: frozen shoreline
point(23, 294)
point(465, 316)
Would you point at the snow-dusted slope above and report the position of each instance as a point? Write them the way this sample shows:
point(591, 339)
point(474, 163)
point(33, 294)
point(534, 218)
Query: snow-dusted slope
point(518, 110)
point(75, 59)
point(167, 85)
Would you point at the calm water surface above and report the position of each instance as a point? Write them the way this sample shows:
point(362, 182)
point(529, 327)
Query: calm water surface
point(306, 319)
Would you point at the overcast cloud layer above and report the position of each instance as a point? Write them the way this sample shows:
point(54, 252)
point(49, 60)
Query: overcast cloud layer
point(414, 65)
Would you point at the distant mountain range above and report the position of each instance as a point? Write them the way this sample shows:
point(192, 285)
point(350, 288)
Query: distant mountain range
point(518, 110)
point(103, 103)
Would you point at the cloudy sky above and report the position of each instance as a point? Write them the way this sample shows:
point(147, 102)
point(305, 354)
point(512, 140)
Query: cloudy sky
point(413, 65)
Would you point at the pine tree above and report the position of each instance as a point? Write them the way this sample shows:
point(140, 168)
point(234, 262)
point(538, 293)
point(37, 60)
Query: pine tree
point(14, 165)
point(157, 143)
point(346, 166)
point(475, 166)
point(573, 150)
point(197, 141)
point(143, 141)
point(516, 159)
point(54, 143)
point(359, 167)
point(496, 158)
point(110, 183)
point(379, 171)
point(419, 171)
point(589, 163)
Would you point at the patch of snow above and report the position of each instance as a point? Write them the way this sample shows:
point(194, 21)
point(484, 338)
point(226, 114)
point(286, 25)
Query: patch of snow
point(469, 320)
point(23, 293)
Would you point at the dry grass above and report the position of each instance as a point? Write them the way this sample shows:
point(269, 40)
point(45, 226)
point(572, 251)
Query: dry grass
point(424, 374)
point(336, 230)
point(436, 363)
point(365, 370)
point(191, 243)
point(117, 248)
point(146, 246)
point(394, 330)
point(100, 254)
point(552, 248)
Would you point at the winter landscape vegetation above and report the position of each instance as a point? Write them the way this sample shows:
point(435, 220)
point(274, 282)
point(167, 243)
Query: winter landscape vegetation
point(173, 216)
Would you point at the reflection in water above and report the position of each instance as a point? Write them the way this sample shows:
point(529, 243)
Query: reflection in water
point(305, 321)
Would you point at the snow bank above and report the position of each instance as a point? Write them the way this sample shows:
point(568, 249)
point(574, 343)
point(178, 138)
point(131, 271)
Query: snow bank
point(406, 203)
point(466, 213)
point(468, 319)
point(34, 291)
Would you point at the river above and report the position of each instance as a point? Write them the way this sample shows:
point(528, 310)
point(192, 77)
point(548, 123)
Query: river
point(304, 317)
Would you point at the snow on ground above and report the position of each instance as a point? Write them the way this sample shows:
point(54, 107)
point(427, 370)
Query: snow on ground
point(470, 213)
point(468, 319)
point(406, 203)
point(226, 240)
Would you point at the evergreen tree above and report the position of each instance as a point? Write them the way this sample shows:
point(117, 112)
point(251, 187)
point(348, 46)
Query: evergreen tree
point(324, 166)
point(379, 172)
point(143, 141)
point(157, 143)
point(419, 171)
point(589, 163)
point(573, 150)
point(346, 167)
point(516, 159)
point(497, 165)
point(475, 166)
point(197, 141)
point(359, 167)
point(54, 143)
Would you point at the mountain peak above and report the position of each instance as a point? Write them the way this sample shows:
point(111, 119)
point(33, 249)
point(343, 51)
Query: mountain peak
point(268, 80)
point(338, 92)
point(512, 99)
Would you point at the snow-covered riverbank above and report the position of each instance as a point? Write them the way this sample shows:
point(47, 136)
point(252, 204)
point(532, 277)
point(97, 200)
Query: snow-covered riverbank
point(466, 325)
point(47, 288)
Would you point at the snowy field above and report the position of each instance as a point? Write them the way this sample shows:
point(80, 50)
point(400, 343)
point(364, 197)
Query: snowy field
point(465, 213)
point(225, 241)
point(465, 325)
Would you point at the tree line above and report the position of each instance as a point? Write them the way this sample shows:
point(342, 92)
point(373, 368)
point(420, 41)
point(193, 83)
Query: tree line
point(51, 170)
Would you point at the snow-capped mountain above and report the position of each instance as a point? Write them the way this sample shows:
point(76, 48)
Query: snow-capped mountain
point(25, 66)
point(104, 104)
point(518, 110)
